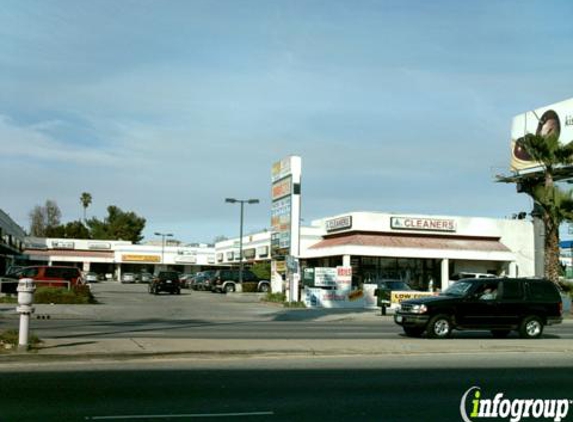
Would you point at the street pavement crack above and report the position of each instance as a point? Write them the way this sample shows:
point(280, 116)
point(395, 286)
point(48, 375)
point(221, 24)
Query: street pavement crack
point(137, 344)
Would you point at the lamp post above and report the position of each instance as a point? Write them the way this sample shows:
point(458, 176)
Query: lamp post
point(242, 202)
point(163, 236)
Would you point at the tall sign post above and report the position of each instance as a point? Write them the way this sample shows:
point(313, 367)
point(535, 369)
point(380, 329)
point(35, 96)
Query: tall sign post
point(285, 225)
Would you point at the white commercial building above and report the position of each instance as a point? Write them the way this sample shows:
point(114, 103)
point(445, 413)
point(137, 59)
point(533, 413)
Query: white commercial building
point(422, 250)
point(112, 258)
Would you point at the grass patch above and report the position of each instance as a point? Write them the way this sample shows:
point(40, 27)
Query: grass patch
point(281, 298)
point(78, 295)
point(8, 299)
point(9, 340)
point(274, 297)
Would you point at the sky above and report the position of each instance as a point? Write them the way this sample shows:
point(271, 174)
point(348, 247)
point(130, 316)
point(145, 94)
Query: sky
point(166, 108)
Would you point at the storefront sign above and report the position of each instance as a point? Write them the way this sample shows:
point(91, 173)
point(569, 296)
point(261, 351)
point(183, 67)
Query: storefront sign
point(325, 277)
point(56, 244)
point(332, 299)
point(280, 169)
point(186, 259)
point(141, 258)
point(340, 223)
point(99, 245)
point(399, 296)
point(423, 224)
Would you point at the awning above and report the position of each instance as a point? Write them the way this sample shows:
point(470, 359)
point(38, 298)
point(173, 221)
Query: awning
point(396, 245)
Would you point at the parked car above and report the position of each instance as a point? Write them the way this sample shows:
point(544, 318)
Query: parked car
point(500, 305)
point(145, 277)
point(128, 278)
point(185, 280)
point(91, 277)
point(45, 276)
point(165, 281)
point(201, 280)
point(227, 281)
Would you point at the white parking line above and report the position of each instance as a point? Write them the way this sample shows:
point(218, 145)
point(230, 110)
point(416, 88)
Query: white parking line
point(189, 415)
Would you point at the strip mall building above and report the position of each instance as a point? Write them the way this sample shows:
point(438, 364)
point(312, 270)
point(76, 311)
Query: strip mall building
point(419, 249)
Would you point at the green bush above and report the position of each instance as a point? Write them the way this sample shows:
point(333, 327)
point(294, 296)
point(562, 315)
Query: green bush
point(8, 299)
point(78, 295)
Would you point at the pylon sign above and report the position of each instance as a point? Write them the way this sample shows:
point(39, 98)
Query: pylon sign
point(285, 208)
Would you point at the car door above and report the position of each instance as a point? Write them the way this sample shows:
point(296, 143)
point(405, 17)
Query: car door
point(510, 303)
point(479, 308)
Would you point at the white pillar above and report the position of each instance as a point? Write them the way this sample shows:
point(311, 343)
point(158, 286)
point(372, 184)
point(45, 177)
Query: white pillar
point(513, 269)
point(445, 274)
point(346, 260)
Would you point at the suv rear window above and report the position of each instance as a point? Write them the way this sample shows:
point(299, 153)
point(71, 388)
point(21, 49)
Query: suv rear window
point(511, 290)
point(166, 275)
point(542, 290)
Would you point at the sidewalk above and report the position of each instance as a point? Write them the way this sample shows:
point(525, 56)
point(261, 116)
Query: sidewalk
point(147, 348)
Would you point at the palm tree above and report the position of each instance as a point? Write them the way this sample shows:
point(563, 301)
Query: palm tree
point(556, 205)
point(86, 200)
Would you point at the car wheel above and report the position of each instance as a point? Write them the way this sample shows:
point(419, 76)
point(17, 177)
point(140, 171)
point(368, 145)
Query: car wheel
point(440, 326)
point(500, 333)
point(531, 327)
point(413, 331)
point(178, 291)
point(156, 291)
point(230, 288)
point(265, 288)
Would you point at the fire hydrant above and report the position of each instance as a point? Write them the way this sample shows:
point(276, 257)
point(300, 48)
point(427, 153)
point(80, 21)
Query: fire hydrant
point(26, 289)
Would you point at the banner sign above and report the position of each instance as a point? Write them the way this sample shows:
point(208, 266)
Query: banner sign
point(399, 296)
point(141, 258)
point(423, 224)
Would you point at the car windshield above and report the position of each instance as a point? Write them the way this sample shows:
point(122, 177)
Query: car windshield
point(395, 285)
point(459, 289)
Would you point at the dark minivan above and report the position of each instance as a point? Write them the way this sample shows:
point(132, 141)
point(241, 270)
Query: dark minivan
point(499, 305)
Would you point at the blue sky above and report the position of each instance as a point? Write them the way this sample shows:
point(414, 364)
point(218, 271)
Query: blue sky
point(167, 107)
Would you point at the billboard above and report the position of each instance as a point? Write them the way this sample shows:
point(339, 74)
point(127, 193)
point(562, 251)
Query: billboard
point(555, 119)
point(285, 206)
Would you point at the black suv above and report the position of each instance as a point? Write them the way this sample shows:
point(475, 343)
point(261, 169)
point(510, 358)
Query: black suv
point(228, 280)
point(165, 281)
point(499, 305)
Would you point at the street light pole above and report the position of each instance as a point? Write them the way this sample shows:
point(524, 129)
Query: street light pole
point(242, 202)
point(163, 236)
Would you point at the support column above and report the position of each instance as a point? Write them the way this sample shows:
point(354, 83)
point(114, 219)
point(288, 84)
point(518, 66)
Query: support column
point(346, 260)
point(445, 274)
point(513, 269)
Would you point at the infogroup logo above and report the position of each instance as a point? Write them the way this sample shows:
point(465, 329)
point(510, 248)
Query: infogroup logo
point(513, 409)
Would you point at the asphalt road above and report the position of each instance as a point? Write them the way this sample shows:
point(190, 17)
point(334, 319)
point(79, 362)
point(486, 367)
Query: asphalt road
point(404, 388)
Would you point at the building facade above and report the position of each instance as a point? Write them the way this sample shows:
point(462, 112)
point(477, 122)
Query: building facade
point(11, 241)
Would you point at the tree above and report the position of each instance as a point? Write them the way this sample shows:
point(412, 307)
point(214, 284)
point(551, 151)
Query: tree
point(556, 205)
point(71, 230)
point(44, 219)
point(118, 225)
point(86, 200)
point(38, 221)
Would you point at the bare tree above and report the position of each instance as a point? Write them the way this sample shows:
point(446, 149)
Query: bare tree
point(38, 221)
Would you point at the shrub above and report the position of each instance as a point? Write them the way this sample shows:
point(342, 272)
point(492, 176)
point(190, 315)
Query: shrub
point(78, 295)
